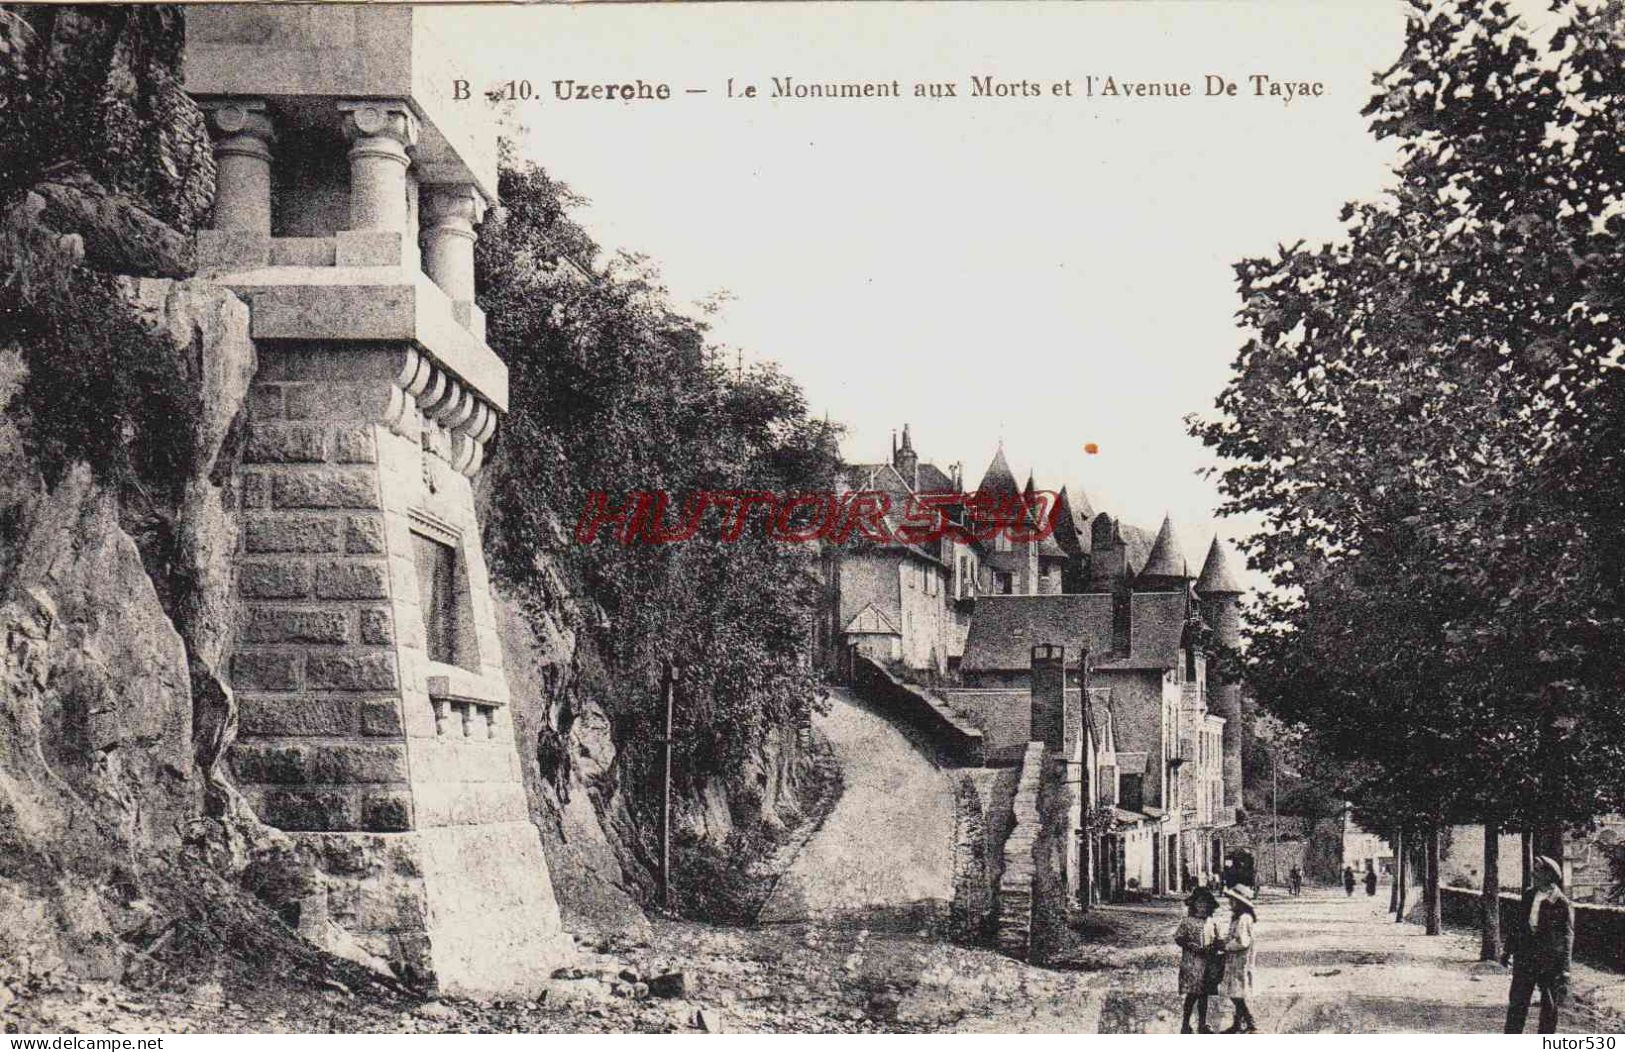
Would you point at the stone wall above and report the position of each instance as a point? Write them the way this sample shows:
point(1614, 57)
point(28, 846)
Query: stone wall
point(1599, 931)
point(349, 728)
point(971, 914)
point(933, 722)
point(1052, 898)
point(1016, 878)
point(322, 744)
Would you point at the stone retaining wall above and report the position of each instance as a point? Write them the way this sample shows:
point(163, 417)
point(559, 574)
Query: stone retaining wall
point(1016, 883)
point(955, 741)
point(971, 914)
point(1599, 931)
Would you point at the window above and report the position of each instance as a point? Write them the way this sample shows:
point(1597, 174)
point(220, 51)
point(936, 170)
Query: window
point(444, 599)
point(1131, 791)
point(437, 595)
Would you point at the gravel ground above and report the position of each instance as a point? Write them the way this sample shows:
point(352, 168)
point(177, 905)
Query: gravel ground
point(886, 848)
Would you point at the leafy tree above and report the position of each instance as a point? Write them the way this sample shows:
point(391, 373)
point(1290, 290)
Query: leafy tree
point(1428, 418)
point(615, 390)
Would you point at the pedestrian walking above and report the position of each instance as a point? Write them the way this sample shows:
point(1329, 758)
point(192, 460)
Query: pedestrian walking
point(1348, 881)
point(1201, 947)
point(1370, 880)
point(1239, 949)
point(1541, 948)
point(1296, 877)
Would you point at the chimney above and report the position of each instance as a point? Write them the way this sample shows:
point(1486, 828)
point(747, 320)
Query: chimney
point(1048, 694)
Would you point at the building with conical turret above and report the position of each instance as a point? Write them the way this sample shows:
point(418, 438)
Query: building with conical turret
point(1144, 627)
point(1219, 590)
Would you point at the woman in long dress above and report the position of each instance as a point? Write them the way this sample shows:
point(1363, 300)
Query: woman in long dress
point(1239, 948)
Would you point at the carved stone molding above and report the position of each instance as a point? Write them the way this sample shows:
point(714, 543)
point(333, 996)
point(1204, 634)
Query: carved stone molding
point(424, 395)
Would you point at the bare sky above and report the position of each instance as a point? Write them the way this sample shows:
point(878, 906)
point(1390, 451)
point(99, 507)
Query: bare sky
point(1048, 271)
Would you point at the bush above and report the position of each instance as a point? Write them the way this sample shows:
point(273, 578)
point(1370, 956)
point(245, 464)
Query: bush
point(102, 387)
point(616, 390)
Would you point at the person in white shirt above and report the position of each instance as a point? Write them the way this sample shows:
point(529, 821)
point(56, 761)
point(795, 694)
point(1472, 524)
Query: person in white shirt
point(1541, 948)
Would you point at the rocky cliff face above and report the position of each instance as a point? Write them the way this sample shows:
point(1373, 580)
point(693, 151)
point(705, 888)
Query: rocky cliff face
point(112, 718)
point(599, 854)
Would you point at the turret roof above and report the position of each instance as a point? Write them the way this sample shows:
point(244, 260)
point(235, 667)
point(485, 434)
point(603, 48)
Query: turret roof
point(1167, 559)
point(1218, 576)
point(999, 479)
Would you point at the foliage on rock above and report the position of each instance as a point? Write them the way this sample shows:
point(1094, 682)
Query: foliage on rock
point(615, 390)
point(95, 91)
point(1429, 417)
point(120, 194)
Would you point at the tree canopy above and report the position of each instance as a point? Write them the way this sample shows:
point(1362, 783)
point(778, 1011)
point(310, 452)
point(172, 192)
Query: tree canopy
point(1427, 416)
point(614, 389)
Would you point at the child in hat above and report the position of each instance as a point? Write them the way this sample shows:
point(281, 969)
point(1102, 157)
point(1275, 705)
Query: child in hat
point(1237, 983)
point(1198, 939)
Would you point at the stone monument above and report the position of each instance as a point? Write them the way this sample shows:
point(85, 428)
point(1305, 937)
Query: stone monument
point(374, 724)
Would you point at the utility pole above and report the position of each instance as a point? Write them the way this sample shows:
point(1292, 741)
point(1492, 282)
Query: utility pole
point(1091, 796)
point(1275, 824)
point(668, 690)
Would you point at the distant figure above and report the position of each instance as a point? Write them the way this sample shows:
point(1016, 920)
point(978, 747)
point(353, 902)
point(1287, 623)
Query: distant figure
point(1370, 880)
point(1348, 881)
point(1295, 879)
point(1228, 877)
point(1237, 983)
point(1541, 948)
point(1200, 943)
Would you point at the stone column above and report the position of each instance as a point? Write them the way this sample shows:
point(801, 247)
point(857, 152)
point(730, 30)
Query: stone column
point(450, 214)
point(380, 133)
point(242, 155)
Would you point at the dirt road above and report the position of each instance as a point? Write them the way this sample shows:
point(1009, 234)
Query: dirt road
point(1328, 963)
point(883, 859)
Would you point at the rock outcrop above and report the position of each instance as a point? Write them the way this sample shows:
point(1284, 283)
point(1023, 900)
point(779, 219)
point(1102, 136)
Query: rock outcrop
point(107, 749)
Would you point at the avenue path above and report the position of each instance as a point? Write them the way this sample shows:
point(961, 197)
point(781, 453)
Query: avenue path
point(1327, 963)
point(883, 858)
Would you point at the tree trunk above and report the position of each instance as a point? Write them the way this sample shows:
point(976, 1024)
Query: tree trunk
point(1399, 860)
point(1490, 946)
point(1549, 842)
point(1401, 871)
point(1435, 919)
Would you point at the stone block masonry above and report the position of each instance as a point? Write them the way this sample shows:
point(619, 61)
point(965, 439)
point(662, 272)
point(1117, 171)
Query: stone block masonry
point(373, 718)
point(1016, 891)
point(350, 729)
point(314, 623)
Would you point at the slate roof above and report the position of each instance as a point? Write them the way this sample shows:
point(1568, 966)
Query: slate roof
point(1007, 562)
point(999, 479)
point(1005, 628)
point(1167, 558)
point(1138, 540)
point(885, 479)
point(1072, 521)
point(1218, 576)
point(934, 480)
